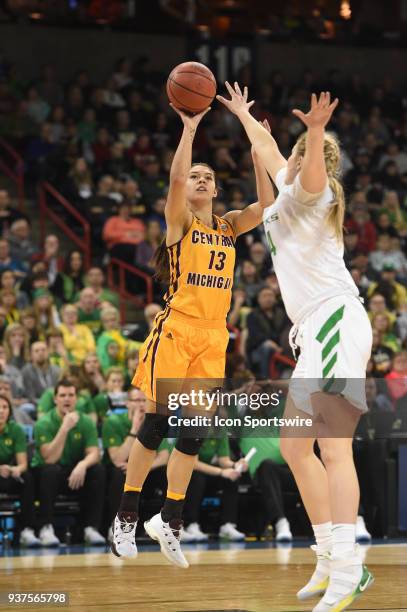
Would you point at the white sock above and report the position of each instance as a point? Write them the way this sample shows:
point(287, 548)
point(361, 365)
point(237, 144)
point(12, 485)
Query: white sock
point(343, 539)
point(323, 537)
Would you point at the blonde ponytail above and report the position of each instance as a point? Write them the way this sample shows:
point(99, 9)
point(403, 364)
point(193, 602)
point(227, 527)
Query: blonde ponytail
point(332, 154)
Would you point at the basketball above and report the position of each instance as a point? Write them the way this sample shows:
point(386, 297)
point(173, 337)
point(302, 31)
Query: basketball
point(191, 87)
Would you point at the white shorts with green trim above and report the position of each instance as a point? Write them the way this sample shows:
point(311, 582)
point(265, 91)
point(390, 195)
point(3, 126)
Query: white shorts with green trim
point(336, 343)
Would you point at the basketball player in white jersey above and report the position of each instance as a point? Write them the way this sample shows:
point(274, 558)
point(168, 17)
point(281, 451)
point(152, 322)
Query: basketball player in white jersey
point(331, 327)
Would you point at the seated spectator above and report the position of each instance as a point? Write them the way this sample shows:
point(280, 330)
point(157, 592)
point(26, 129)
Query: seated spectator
point(365, 229)
point(88, 313)
point(7, 214)
point(95, 279)
point(101, 148)
point(145, 326)
point(51, 257)
point(387, 285)
point(384, 255)
point(38, 375)
point(271, 475)
point(40, 155)
point(382, 324)
point(112, 331)
point(264, 328)
point(79, 185)
point(46, 313)
point(122, 233)
point(385, 225)
point(223, 474)
point(15, 477)
point(260, 257)
point(118, 434)
point(377, 305)
point(72, 280)
point(12, 374)
point(22, 246)
point(398, 217)
point(91, 375)
point(58, 355)
point(101, 206)
point(132, 361)
point(146, 249)
point(381, 357)
point(239, 310)
point(248, 277)
point(152, 182)
point(84, 403)
point(8, 301)
point(8, 281)
point(397, 377)
point(78, 339)
point(37, 108)
point(157, 213)
point(8, 263)
point(113, 397)
point(16, 345)
point(35, 280)
point(351, 244)
point(67, 459)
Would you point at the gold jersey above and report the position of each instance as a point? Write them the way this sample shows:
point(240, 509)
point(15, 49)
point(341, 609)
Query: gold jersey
point(201, 271)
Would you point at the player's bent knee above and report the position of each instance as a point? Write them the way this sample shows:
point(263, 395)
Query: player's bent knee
point(153, 430)
point(189, 446)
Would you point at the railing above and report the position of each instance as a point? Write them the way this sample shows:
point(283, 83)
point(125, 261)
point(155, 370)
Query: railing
point(275, 360)
point(121, 287)
point(13, 167)
point(45, 191)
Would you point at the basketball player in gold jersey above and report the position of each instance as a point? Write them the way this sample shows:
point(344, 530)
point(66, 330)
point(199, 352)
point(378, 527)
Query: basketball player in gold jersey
point(189, 337)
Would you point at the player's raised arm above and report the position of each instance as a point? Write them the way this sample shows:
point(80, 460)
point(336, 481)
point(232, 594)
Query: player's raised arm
point(245, 220)
point(264, 143)
point(176, 210)
point(313, 175)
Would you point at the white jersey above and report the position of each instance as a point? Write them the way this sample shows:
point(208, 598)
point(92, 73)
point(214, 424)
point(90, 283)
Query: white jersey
point(307, 258)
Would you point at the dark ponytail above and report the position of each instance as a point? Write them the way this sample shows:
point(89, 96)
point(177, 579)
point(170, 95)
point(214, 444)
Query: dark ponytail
point(161, 262)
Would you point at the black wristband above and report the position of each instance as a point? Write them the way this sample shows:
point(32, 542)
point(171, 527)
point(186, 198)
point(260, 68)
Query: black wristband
point(132, 435)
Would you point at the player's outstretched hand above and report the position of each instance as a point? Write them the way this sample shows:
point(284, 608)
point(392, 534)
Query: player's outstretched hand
point(266, 126)
point(238, 101)
point(190, 121)
point(320, 112)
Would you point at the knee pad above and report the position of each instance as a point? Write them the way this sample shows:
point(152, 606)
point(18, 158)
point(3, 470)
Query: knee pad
point(153, 430)
point(189, 446)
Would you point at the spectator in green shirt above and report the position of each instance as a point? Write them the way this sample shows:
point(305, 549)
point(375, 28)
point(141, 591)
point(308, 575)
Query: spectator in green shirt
point(88, 312)
point(113, 397)
point(214, 468)
point(118, 433)
point(14, 474)
point(67, 459)
point(96, 279)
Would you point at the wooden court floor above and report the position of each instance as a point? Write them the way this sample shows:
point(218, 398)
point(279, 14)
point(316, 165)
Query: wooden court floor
point(244, 580)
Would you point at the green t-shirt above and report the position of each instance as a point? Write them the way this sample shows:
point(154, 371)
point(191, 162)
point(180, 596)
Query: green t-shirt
point(267, 448)
point(79, 438)
point(115, 430)
point(91, 320)
point(84, 405)
point(12, 441)
point(212, 447)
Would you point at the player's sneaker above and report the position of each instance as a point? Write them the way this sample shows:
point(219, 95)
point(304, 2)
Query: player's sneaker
point(168, 536)
point(229, 532)
point(362, 534)
point(123, 543)
point(318, 583)
point(343, 589)
point(194, 532)
point(283, 531)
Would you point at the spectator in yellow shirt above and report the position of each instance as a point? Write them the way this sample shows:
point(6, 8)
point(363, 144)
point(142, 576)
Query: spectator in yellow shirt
point(78, 339)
